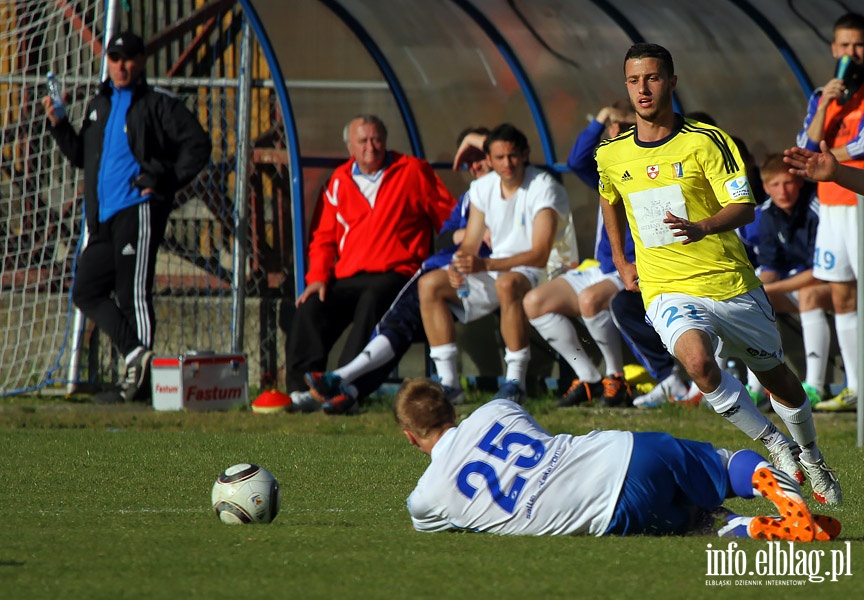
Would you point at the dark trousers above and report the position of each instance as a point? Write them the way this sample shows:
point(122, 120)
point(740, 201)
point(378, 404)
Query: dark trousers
point(316, 326)
point(402, 325)
point(113, 283)
point(628, 313)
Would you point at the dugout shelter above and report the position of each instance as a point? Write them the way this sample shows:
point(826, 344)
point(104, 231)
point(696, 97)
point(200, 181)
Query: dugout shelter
point(275, 82)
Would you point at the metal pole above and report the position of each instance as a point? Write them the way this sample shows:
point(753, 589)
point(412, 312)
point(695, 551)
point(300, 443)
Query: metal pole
point(860, 337)
point(77, 335)
point(112, 13)
point(241, 189)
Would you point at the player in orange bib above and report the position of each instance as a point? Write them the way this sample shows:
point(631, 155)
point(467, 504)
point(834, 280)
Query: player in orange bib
point(835, 114)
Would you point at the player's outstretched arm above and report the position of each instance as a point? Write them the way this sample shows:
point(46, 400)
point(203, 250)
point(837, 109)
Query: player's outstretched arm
point(819, 166)
point(823, 166)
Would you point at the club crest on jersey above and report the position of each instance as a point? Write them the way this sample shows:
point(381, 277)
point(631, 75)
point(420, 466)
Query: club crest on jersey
point(678, 169)
point(653, 171)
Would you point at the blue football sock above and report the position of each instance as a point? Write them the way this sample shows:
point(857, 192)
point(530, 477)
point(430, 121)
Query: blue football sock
point(741, 467)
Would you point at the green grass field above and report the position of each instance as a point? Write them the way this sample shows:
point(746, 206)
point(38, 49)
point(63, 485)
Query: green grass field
point(114, 503)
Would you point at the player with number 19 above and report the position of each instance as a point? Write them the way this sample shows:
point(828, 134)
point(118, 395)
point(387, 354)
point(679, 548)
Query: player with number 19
point(499, 471)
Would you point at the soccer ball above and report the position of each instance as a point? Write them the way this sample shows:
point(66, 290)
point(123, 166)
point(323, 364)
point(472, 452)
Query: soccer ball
point(246, 494)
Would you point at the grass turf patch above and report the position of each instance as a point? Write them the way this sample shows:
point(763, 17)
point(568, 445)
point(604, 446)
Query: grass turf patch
point(113, 502)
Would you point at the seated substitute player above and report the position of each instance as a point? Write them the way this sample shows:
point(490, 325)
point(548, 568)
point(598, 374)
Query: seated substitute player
point(499, 471)
point(586, 291)
point(372, 229)
point(786, 242)
point(682, 187)
point(527, 214)
point(339, 390)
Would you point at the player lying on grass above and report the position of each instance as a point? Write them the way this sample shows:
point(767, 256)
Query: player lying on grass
point(499, 471)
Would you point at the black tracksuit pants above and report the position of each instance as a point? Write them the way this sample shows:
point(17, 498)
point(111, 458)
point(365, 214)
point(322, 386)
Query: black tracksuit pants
point(316, 326)
point(113, 283)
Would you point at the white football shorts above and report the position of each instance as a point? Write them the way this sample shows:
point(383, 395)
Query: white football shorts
point(836, 255)
point(744, 326)
point(580, 280)
point(482, 298)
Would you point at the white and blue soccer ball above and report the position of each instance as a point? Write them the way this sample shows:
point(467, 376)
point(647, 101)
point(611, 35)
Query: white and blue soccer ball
point(246, 494)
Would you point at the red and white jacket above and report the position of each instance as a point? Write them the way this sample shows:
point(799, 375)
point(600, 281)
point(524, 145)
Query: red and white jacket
point(349, 236)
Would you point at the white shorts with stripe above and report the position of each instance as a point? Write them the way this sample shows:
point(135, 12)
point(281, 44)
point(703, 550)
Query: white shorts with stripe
point(744, 326)
point(581, 279)
point(482, 298)
point(836, 255)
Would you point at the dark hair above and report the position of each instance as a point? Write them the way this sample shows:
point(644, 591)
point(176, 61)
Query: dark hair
point(481, 130)
point(850, 21)
point(744, 151)
point(507, 133)
point(643, 50)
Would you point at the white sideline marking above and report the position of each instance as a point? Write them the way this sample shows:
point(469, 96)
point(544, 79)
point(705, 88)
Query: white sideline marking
point(157, 511)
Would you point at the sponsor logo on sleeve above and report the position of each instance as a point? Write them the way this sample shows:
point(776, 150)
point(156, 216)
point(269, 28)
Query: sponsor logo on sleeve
point(738, 188)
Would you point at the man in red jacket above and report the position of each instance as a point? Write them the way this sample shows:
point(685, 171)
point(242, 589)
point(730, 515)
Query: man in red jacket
point(374, 226)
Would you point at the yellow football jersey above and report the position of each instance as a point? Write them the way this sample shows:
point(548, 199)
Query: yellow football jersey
point(693, 173)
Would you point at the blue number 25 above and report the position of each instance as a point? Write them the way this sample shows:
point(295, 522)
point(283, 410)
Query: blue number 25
point(506, 499)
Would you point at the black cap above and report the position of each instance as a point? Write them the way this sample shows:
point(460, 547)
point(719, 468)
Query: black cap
point(126, 44)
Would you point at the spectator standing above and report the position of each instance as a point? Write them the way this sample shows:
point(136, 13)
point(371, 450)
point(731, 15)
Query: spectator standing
point(373, 228)
point(138, 146)
point(835, 114)
point(683, 188)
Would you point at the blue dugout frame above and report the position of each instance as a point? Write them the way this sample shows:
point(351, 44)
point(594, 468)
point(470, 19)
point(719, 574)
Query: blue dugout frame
point(296, 162)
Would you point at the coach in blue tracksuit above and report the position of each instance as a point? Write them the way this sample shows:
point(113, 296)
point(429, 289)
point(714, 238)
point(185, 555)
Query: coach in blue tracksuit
point(138, 145)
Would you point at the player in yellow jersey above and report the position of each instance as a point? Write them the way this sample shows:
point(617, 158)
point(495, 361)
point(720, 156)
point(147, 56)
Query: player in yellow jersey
point(683, 187)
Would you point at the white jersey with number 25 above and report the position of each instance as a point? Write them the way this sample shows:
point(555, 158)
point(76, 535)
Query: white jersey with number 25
point(499, 471)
